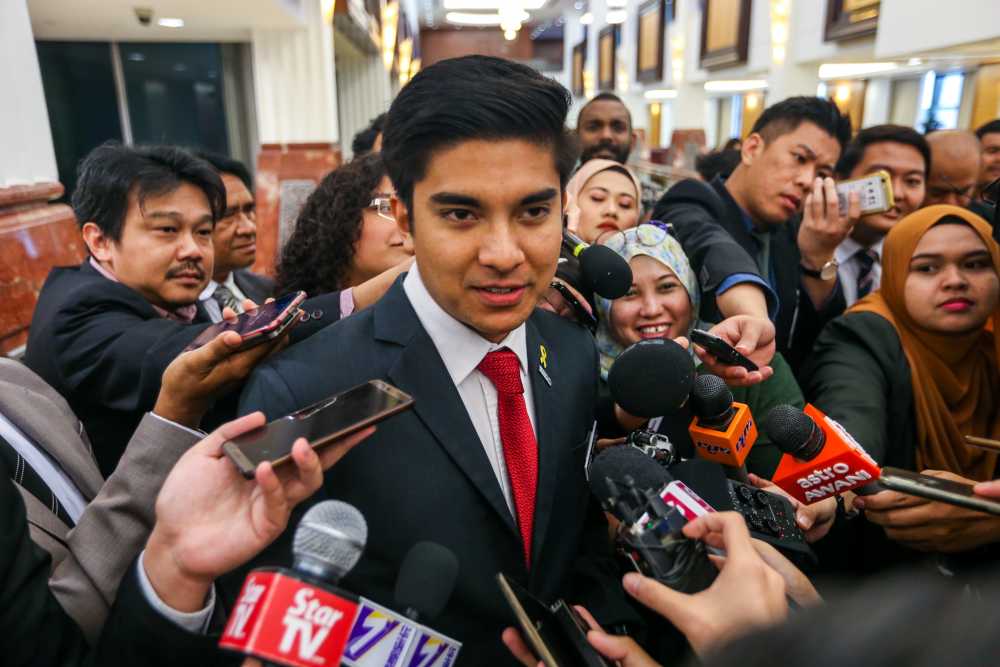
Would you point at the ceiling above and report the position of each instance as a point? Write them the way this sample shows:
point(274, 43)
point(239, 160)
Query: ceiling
point(205, 20)
point(545, 23)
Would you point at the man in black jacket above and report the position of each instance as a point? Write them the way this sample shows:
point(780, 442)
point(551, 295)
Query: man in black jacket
point(786, 171)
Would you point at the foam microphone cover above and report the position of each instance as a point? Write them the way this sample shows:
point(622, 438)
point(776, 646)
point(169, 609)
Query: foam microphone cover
point(607, 272)
point(426, 579)
point(652, 378)
point(793, 432)
point(621, 461)
point(710, 397)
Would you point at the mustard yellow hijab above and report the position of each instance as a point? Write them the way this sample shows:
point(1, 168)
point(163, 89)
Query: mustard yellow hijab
point(956, 383)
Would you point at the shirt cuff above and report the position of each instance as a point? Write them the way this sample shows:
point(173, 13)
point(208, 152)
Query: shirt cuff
point(346, 302)
point(195, 622)
point(194, 432)
point(740, 278)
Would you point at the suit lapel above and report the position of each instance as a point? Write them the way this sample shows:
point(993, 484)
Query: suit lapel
point(543, 378)
point(420, 372)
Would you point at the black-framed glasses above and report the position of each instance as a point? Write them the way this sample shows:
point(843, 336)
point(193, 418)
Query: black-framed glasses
point(649, 234)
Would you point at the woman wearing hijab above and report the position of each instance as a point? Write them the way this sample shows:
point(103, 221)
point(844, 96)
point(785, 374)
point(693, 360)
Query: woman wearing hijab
point(911, 369)
point(603, 197)
point(663, 303)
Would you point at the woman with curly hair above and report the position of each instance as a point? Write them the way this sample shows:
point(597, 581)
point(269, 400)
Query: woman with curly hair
point(345, 234)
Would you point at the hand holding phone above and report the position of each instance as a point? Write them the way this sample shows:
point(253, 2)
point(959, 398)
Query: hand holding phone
point(935, 488)
point(721, 350)
point(257, 326)
point(874, 193)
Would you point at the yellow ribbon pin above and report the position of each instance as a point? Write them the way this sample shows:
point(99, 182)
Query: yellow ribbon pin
point(543, 356)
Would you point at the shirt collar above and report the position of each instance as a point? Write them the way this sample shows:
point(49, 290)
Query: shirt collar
point(848, 248)
point(461, 348)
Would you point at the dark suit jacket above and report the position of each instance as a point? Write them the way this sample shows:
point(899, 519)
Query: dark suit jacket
point(257, 287)
point(38, 632)
point(424, 474)
point(798, 321)
point(104, 347)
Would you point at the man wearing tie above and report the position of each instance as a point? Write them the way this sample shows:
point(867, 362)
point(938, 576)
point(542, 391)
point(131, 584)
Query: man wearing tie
point(490, 462)
point(904, 153)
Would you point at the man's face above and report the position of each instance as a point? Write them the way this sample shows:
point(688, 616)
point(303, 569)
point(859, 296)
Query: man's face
point(953, 178)
point(605, 131)
point(165, 252)
point(905, 165)
point(990, 170)
point(235, 236)
point(781, 172)
point(487, 227)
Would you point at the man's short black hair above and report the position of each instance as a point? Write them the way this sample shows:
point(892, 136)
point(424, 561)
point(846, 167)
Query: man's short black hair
point(717, 163)
point(473, 98)
point(605, 97)
point(108, 176)
point(988, 128)
point(364, 140)
point(227, 165)
point(788, 114)
point(877, 134)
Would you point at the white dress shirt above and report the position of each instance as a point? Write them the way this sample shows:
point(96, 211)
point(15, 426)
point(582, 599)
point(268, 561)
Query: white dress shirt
point(461, 348)
point(850, 268)
point(211, 305)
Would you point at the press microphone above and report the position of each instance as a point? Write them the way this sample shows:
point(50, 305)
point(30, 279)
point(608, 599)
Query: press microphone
point(297, 617)
point(722, 430)
point(607, 272)
point(652, 378)
point(820, 459)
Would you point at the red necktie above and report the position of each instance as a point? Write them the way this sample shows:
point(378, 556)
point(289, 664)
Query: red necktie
point(520, 449)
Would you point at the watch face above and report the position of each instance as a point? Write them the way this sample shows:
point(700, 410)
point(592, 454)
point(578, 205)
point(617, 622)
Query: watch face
point(829, 271)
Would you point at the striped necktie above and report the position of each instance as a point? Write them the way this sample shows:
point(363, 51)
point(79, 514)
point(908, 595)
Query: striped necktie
point(867, 258)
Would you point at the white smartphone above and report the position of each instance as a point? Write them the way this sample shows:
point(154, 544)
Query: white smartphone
point(874, 190)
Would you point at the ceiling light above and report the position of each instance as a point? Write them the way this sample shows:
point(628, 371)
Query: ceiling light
point(914, 62)
point(660, 94)
point(615, 4)
point(465, 18)
point(490, 4)
point(587, 19)
point(734, 86)
point(847, 70)
point(616, 16)
point(170, 23)
point(510, 35)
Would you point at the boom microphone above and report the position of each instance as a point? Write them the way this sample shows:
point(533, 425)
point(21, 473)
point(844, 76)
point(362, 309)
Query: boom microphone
point(652, 378)
point(722, 430)
point(607, 272)
point(821, 459)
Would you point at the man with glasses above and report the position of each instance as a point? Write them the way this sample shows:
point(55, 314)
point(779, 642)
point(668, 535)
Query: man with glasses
point(955, 159)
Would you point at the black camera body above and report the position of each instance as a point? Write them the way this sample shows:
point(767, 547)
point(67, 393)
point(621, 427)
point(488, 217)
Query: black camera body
point(654, 445)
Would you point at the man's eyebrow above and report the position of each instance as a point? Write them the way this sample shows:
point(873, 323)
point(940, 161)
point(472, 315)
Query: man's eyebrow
point(969, 255)
point(175, 216)
point(539, 197)
point(810, 153)
point(454, 198)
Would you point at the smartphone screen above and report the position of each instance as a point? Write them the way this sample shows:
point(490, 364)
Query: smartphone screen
point(259, 319)
point(319, 423)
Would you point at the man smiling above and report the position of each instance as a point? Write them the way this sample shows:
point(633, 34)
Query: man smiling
point(490, 461)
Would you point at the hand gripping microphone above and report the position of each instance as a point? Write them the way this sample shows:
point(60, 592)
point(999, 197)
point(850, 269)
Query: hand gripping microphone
point(722, 430)
point(651, 378)
point(297, 617)
point(605, 271)
point(383, 638)
point(821, 459)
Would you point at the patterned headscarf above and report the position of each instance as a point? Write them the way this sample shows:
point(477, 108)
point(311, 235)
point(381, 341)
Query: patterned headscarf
point(668, 252)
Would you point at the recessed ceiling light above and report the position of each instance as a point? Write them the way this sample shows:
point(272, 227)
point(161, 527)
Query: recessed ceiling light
point(616, 16)
point(466, 18)
point(660, 94)
point(587, 19)
point(490, 4)
point(170, 23)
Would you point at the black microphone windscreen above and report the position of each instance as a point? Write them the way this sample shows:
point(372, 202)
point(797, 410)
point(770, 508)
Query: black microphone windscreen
point(710, 397)
point(606, 271)
point(793, 432)
point(652, 378)
point(426, 579)
point(621, 461)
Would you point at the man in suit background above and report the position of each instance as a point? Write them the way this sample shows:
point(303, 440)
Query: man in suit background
point(490, 462)
point(235, 242)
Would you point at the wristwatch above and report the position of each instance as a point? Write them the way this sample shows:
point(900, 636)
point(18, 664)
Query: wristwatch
point(828, 272)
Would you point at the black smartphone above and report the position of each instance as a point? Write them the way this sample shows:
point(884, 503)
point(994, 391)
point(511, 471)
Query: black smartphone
point(320, 424)
point(259, 325)
point(935, 488)
point(721, 350)
point(556, 634)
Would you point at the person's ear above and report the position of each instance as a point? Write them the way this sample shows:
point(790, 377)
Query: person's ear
point(752, 148)
point(98, 243)
point(633, 138)
point(402, 216)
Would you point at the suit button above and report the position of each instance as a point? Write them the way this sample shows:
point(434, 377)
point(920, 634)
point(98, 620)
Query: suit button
point(317, 314)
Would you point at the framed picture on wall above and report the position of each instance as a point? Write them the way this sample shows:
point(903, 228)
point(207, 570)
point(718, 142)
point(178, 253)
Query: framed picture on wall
point(579, 65)
point(607, 40)
point(649, 40)
point(725, 33)
point(850, 19)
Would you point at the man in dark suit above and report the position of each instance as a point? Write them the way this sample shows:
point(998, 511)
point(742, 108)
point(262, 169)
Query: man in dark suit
point(235, 243)
point(104, 331)
point(490, 462)
point(785, 171)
